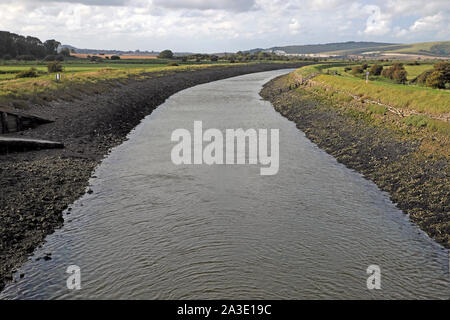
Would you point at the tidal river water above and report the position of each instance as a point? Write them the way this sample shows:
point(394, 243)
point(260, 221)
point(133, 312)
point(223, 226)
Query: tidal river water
point(155, 230)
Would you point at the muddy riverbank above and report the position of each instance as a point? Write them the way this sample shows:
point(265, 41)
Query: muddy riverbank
point(36, 187)
point(402, 162)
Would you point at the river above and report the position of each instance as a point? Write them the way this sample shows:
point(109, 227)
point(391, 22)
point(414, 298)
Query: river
point(154, 230)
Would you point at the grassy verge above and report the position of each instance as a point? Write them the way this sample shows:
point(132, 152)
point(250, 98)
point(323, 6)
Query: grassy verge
point(434, 102)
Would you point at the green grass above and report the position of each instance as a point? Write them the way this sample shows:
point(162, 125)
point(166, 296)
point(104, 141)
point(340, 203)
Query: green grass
point(414, 71)
point(416, 98)
point(422, 121)
point(413, 97)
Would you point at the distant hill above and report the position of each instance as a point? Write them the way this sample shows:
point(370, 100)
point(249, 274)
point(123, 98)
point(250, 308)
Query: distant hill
point(120, 52)
point(320, 48)
point(432, 49)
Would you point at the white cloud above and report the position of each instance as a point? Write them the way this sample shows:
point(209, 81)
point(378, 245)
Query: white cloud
point(429, 23)
point(201, 25)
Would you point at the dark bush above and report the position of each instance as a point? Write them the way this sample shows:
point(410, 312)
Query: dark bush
point(399, 76)
point(444, 68)
point(65, 52)
point(96, 59)
point(7, 57)
point(214, 58)
point(436, 80)
point(396, 72)
point(30, 73)
point(166, 54)
point(54, 57)
point(184, 59)
point(172, 64)
point(50, 57)
point(54, 66)
point(376, 69)
point(26, 57)
point(115, 57)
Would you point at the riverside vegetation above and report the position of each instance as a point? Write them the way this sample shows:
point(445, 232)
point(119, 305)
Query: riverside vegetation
point(396, 135)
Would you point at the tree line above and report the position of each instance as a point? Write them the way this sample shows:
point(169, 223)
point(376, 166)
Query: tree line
point(15, 46)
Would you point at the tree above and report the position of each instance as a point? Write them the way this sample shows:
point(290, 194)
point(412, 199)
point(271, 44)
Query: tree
point(438, 77)
point(396, 72)
point(65, 52)
point(376, 69)
point(444, 68)
point(436, 80)
point(166, 54)
point(115, 57)
point(399, 76)
point(51, 46)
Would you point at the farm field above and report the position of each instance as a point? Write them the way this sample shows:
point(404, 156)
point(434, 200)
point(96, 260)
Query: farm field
point(137, 57)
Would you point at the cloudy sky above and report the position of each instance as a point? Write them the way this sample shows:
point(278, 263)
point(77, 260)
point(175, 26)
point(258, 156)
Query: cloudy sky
point(224, 25)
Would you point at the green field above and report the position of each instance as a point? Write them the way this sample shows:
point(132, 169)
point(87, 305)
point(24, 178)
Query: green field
point(78, 72)
point(412, 97)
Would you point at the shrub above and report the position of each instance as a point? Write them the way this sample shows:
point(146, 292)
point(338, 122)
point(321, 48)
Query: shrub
point(364, 66)
point(166, 54)
point(26, 57)
point(444, 68)
point(387, 73)
point(54, 66)
point(400, 76)
point(7, 57)
point(376, 69)
point(50, 57)
point(30, 73)
point(214, 58)
point(184, 59)
point(115, 57)
point(396, 72)
point(357, 70)
point(435, 79)
point(172, 64)
point(65, 52)
point(54, 57)
point(347, 69)
point(96, 59)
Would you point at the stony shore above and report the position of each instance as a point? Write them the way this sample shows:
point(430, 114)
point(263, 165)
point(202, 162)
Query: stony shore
point(37, 186)
point(411, 165)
